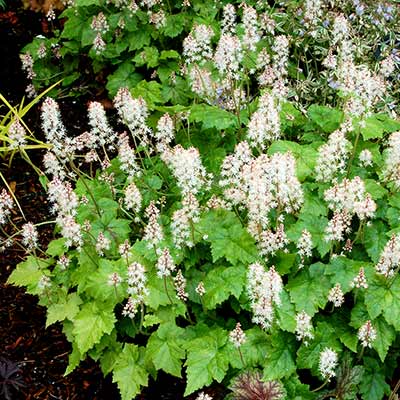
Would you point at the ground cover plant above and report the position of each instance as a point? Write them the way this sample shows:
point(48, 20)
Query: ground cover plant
point(227, 228)
point(96, 45)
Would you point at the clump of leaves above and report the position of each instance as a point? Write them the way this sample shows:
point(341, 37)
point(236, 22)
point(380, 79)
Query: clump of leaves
point(9, 378)
point(238, 207)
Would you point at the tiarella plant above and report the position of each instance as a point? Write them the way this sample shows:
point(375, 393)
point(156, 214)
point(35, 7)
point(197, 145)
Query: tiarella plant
point(238, 237)
point(138, 44)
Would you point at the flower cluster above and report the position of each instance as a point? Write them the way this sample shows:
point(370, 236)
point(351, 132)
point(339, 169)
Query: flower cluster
point(332, 156)
point(237, 336)
point(100, 128)
point(165, 264)
point(180, 286)
point(187, 168)
point(360, 281)
point(53, 127)
point(304, 328)
point(269, 242)
point(228, 19)
point(390, 257)
point(17, 134)
point(65, 203)
point(200, 289)
point(203, 396)
point(126, 156)
point(304, 246)
point(336, 295)
point(133, 198)
point(251, 28)
point(367, 334)
point(346, 199)
point(365, 158)
point(183, 221)
point(264, 289)
point(165, 131)
point(29, 236)
point(6, 205)
point(228, 56)
point(133, 113)
point(196, 46)
point(262, 184)
point(328, 360)
point(114, 279)
point(102, 243)
point(137, 289)
point(391, 170)
point(153, 232)
point(264, 125)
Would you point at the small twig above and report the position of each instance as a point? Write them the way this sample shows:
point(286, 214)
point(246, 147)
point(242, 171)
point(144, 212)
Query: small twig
point(395, 390)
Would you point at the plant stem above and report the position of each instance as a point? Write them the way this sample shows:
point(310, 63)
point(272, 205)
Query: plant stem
point(354, 151)
point(74, 168)
point(166, 289)
point(320, 387)
point(141, 317)
point(361, 354)
point(241, 357)
point(395, 390)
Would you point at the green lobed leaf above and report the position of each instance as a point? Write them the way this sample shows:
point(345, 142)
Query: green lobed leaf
point(129, 373)
point(326, 118)
point(139, 38)
point(373, 128)
point(123, 76)
point(375, 239)
point(167, 54)
point(206, 359)
point(296, 390)
point(227, 237)
point(147, 56)
point(91, 323)
point(109, 357)
point(96, 284)
point(212, 117)
point(150, 91)
point(313, 205)
point(28, 274)
point(346, 335)
point(279, 362)
point(254, 350)
point(164, 348)
point(375, 189)
point(381, 298)
point(286, 313)
point(158, 295)
point(385, 334)
point(174, 25)
point(391, 307)
point(310, 280)
point(221, 282)
point(68, 308)
point(56, 247)
point(373, 385)
point(74, 358)
point(359, 315)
